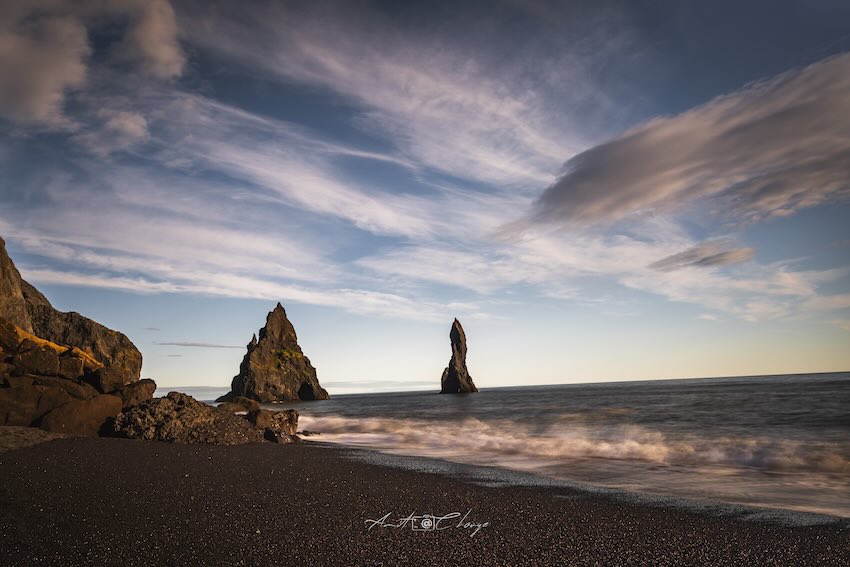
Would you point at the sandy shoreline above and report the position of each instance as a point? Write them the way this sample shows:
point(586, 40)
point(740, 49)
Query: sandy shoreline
point(92, 501)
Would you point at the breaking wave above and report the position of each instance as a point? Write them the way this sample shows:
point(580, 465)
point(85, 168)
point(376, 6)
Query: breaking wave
point(503, 442)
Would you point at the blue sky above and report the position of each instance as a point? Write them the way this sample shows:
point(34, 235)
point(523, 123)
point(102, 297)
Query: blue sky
point(598, 190)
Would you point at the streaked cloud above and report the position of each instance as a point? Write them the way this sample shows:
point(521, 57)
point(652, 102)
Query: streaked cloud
point(704, 256)
point(768, 150)
point(444, 103)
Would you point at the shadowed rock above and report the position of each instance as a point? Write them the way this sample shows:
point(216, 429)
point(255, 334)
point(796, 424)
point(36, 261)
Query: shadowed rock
point(178, 418)
point(137, 392)
point(274, 368)
point(456, 378)
point(284, 421)
point(82, 417)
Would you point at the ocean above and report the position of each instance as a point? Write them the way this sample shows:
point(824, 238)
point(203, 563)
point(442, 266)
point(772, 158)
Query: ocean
point(771, 441)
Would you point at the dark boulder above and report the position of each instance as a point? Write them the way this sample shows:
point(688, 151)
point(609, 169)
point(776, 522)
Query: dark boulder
point(283, 421)
point(274, 368)
point(276, 436)
point(107, 379)
point(82, 417)
point(17, 381)
point(137, 392)
point(78, 390)
point(178, 418)
point(239, 404)
point(456, 378)
point(18, 405)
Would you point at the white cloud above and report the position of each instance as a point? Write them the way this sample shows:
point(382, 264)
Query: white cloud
point(41, 58)
point(768, 150)
point(151, 39)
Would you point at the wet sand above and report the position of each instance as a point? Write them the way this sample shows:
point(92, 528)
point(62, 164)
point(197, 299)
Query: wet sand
point(124, 502)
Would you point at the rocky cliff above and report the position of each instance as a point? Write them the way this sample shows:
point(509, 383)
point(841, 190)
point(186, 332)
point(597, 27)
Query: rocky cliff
point(24, 306)
point(274, 368)
point(456, 378)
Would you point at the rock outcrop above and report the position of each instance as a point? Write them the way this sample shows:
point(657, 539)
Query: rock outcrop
point(274, 368)
point(178, 418)
point(59, 388)
point(24, 306)
point(456, 378)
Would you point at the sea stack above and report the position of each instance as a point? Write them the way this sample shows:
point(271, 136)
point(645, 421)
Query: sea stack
point(274, 368)
point(456, 378)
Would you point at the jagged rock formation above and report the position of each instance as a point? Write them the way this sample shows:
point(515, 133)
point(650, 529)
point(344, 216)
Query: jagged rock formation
point(274, 368)
point(178, 418)
point(24, 306)
point(456, 378)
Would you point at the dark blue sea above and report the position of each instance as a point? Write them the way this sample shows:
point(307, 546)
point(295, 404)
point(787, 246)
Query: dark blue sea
point(774, 441)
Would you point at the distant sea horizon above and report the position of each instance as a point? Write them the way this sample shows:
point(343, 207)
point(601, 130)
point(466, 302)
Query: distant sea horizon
point(423, 386)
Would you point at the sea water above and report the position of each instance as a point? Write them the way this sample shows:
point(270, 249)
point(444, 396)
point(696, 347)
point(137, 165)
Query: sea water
point(774, 441)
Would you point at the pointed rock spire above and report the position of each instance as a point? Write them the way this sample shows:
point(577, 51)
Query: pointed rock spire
point(274, 368)
point(456, 378)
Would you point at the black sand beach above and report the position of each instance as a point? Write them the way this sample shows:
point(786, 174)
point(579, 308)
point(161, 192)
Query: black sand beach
point(92, 501)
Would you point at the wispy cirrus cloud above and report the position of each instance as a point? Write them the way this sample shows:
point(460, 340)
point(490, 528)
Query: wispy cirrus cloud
point(703, 256)
point(768, 150)
point(358, 301)
point(444, 103)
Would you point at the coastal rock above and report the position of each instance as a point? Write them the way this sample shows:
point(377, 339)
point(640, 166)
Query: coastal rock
point(107, 379)
point(276, 436)
point(178, 418)
point(137, 392)
point(239, 404)
point(284, 421)
point(108, 347)
point(456, 378)
point(36, 359)
point(75, 389)
point(27, 308)
point(24, 353)
point(274, 368)
point(18, 405)
point(82, 417)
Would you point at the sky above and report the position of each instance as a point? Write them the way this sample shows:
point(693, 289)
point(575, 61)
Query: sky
point(598, 190)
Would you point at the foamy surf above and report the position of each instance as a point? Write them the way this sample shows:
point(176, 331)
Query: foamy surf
point(736, 453)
